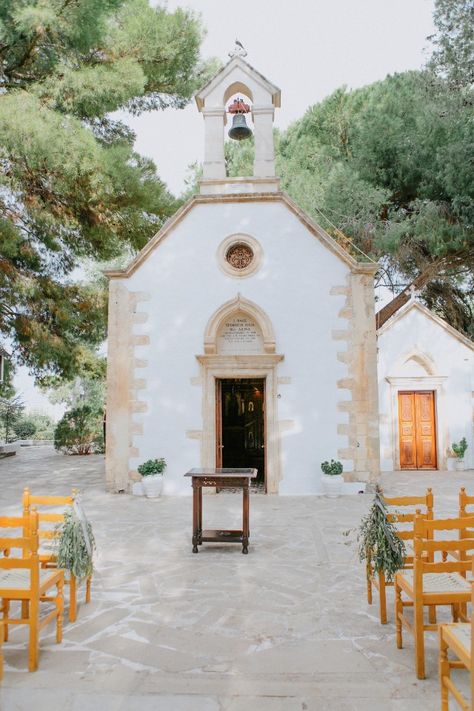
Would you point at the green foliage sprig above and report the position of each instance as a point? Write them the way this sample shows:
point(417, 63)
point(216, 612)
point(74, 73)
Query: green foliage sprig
point(332, 468)
point(459, 448)
point(378, 540)
point(152, 466)
point(72, 550)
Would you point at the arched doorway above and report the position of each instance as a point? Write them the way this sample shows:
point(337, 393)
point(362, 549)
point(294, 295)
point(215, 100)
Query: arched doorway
point(239, 372)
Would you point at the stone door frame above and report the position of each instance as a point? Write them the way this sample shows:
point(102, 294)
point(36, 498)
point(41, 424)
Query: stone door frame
point(414, 383)
point(264, 366)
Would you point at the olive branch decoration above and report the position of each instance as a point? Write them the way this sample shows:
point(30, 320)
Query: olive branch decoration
point(75, 543)
point(378, 541)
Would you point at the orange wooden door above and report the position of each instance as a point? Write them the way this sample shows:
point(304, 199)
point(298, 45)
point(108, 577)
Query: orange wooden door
point(407, 429)
point(425, 430)
point(417, 430)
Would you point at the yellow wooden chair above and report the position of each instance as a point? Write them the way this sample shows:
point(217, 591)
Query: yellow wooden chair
point(1, 653)
point(459, 640)
point(47, 557)
point(379, 581)
point(464, 502)
point(22, 579)
point(431, 582)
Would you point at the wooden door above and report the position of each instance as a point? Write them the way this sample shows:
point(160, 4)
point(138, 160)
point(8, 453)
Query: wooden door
point(407, 428)
point(240, 424)
point(425, 430)
point(416, 415)
point(218, 423)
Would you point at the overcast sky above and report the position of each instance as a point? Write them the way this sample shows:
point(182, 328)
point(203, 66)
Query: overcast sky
point(306, 47)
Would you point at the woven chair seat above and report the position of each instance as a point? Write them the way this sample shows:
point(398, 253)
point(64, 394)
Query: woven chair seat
point(20, 579)
point(439, 582)
point(462, 633)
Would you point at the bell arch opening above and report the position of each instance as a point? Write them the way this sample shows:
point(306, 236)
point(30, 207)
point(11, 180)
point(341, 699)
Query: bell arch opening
point(237, 88)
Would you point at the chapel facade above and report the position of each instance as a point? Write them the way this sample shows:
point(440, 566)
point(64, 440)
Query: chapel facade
point(242, 334)
point(426, 390)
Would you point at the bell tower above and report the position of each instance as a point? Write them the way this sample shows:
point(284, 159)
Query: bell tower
point(240, 91)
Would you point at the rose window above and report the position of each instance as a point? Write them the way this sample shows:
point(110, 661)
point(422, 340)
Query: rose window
point(239, 255)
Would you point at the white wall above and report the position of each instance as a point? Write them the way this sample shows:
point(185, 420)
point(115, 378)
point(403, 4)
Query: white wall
point(293, 288)
point(428, 356)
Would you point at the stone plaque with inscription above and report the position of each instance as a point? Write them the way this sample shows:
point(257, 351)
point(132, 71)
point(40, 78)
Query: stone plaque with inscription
point(240, 334)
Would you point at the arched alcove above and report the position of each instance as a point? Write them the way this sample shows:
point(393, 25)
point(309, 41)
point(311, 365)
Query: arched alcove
point(261, 338)
point(237, 87)
point(415, 364)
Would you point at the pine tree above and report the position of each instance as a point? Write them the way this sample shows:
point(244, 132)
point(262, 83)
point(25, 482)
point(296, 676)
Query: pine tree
point(71, 185)
point(390, 166)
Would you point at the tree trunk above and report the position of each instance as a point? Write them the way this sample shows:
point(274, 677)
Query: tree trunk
point(404, 296)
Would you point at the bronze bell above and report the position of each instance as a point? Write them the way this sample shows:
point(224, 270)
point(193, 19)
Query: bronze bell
point(239, 130)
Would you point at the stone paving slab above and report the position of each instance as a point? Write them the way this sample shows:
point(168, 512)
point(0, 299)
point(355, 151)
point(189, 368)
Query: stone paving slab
point(286, 628)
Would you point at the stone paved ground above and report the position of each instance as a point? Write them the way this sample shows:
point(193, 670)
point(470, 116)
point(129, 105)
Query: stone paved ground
point(286, 628)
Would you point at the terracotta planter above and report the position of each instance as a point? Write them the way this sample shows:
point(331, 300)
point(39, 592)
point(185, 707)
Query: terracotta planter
point(152, 485)
point(332, 485)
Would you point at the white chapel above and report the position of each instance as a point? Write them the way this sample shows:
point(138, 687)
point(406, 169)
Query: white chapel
point(243, 335)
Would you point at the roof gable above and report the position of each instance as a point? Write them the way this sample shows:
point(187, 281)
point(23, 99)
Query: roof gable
point(428, 314)
point(233, 66)
point(311, 226)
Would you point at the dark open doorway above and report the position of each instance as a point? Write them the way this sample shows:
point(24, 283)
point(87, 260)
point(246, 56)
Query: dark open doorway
point(240, 424)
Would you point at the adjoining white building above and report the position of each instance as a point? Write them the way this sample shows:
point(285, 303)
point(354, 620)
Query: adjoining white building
point(244, 335)
point(426, 389)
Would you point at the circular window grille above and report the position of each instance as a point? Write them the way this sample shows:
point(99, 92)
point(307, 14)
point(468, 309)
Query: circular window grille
point(239, 255)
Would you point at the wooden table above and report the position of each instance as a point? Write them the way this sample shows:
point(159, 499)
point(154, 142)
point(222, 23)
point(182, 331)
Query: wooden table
point(221, 479)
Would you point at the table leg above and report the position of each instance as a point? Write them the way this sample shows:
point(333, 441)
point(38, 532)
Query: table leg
point(245, 523)
point(200, 517)
point(195, 517)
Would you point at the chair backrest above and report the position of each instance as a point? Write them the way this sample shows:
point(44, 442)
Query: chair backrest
point(28, 544)
point(2, 635)
point(472, 643)
point(425, 542)
point(45, 517)
point(472, 636)
point(464, 501)
point(425, 501)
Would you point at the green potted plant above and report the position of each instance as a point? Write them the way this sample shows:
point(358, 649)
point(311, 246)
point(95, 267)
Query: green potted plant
point(459, 450)
point(332, 479)
point(152, 477)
